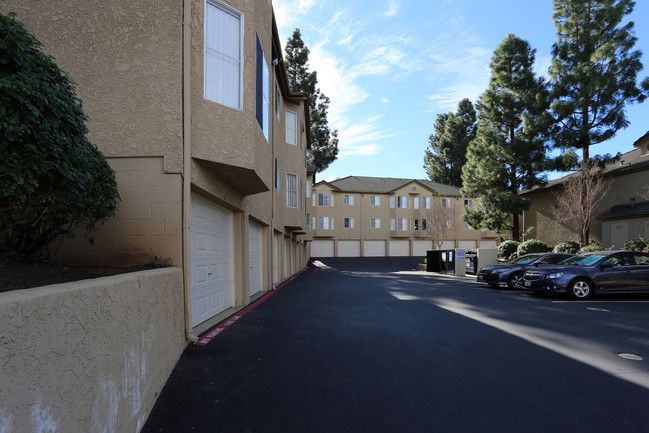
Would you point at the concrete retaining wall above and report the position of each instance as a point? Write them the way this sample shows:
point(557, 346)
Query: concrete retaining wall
point(89, 356)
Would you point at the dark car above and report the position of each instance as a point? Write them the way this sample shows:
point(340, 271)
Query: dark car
point(511, 273)
point(584, 275)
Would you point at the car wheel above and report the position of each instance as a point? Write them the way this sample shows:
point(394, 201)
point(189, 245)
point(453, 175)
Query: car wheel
point(580, 289)
point(515, 281)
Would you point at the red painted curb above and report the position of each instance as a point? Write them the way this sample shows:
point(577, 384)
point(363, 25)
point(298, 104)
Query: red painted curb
point(206, 338)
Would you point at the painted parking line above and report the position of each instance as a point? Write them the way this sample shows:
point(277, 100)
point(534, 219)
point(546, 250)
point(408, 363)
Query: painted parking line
point(210, 335)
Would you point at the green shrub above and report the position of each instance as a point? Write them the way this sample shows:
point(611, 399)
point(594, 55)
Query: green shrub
point(532, 246)
point(507, 249)
point(52, 179)
point(591, 247)
point(569, 247)
point(639, 244)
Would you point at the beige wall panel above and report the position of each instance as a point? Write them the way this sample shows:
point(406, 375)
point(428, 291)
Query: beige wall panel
point(92, 355)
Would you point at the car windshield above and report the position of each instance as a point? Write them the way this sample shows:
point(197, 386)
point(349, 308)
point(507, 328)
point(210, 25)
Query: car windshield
point(523, 259)
point(550, 260)
point(584, 259)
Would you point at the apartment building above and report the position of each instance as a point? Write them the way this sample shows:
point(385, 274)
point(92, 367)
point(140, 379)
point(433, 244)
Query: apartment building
point(377, 217)
point(189, 102)
point(621, 214)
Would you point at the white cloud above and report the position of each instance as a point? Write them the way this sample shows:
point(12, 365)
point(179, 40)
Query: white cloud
point(385, 101)
point(393, 8)
point(364, 150)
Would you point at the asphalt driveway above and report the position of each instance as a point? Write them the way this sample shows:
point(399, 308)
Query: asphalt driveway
point(366, 345)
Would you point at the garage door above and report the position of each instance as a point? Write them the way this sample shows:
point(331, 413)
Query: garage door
point(374, 249)
point(488, 244)
point(322, 248)
point(211, 263)
point(349, 248)
point(419, 248)
point(255, 257)
point(467, 245)
point(399, 248)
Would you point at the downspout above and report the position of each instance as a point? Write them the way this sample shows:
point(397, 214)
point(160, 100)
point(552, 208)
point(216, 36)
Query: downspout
point(187, 163)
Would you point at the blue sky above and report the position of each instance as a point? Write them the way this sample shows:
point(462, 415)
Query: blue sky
point(390, 66)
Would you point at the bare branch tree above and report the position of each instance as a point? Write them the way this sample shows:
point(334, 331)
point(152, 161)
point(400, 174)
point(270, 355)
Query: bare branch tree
point(580, 194)
point(439, 224)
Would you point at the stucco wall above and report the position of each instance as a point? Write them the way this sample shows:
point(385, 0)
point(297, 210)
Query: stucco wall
point(89, 356)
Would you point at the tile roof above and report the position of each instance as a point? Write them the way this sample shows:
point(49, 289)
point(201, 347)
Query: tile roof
point(626, 210)
point(385, 185)
point(629, 161)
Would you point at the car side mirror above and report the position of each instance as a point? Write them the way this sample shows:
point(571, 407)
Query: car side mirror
point(607, 265)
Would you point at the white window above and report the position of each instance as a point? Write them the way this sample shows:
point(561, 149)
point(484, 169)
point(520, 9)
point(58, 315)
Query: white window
point(308, 188)
point(277, 101)
point(323, 223)
point(291, 127)
point(446, 202)
point(291, 190)
point(415, 203)
point(402, 202)
point(323, 199)
point(467, 226)
point(392, 202)
point(423, 224)
point(375, 223)
point(393, 224)
point(468, 203)
point(427, 202)
point(308, 221)
point(262, 94)
point(447, 224)
point(348, 200)
point(402, 224)
point(349, 223)
point(223, 55)
point(375, 200)
point(416, 224)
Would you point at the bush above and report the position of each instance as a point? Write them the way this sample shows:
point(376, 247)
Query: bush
point(52, 179)
point(532, 246)
point(507, 249)
point(569, 247)
point(639, 244)
point(591, 247)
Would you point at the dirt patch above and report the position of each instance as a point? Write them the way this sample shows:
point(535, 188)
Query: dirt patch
point(16, 276)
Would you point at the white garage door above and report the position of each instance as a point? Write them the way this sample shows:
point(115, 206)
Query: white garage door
point(211, 263)
point(374, 249)
point(255, 257)
point(349, 248)
point(322, 248)
point(467, 245)
point(420, 248)
point(399, 248)
point(488, 244)
point(448, 245)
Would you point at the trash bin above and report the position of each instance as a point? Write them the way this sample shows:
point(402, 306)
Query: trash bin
point(433, 261)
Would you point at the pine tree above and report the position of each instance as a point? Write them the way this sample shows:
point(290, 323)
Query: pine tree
point(508, 153)
point(324, 141)
point(594, 72)
point(446, 154)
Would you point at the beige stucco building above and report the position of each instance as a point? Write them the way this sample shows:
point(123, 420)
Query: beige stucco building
point(376, 217)
point(621, 215)
point(189, 102)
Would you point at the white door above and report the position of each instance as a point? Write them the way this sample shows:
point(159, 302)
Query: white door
point(488, 244)
point(255, 257)
point(619, 235)
point(467, 245)
point(322, 248)
point(399, 248)
point(420, 248)
point(374, 249)
point(211, 259)
point(349, 248)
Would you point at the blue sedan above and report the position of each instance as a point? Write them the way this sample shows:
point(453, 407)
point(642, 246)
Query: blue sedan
point(511, 273)
point(584, 275)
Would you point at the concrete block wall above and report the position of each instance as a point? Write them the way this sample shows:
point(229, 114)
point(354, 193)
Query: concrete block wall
point(89, 356)
point(148, 222)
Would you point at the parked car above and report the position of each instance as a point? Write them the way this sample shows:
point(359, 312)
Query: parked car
point(584, 275)
point(511, 273)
